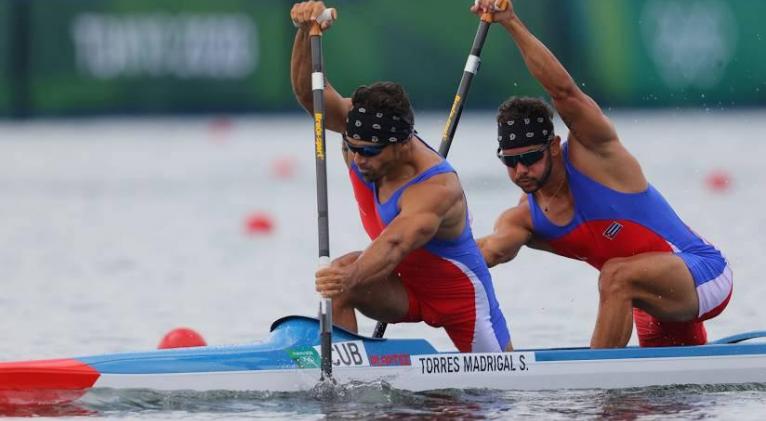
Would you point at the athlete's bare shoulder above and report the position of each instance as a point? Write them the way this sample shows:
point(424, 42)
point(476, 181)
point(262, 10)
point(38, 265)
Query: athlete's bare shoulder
point(618, 170)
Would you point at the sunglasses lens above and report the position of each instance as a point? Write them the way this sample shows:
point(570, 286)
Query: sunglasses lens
point(366, 151)
point(509, 161)
point(370, 151)
point(531, 157)
point(527, 159)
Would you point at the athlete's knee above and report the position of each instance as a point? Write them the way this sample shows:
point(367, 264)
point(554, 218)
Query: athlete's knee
point(614, 280)
point(358, 296)
point(348, 298)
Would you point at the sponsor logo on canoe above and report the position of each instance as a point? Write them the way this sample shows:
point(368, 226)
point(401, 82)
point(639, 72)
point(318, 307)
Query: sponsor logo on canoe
point(387, 360)
point(501, 362)
point(348, 354)
point(305, 357)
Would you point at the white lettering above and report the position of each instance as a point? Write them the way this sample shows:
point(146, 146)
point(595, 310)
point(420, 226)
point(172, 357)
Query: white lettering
point(691, 43)
point(501, 362)
point(185, 45)
point(348, 354)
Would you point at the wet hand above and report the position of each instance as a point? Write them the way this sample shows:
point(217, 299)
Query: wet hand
point(306, 13)
point(332, 281)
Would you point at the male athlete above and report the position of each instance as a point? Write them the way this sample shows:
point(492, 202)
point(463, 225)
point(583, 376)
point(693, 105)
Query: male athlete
point(587, 199)
point(423, 263)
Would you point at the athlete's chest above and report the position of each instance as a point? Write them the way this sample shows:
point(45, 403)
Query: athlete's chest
point(385, 191)
point(597, 241)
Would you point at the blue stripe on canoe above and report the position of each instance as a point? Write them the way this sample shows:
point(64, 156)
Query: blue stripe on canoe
point(288, 334)
point(711, 350)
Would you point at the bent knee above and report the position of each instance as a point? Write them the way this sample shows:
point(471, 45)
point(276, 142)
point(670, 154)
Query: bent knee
point(615, 279)
point(358, 296)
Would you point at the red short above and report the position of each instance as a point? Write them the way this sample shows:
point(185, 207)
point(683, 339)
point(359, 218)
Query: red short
point(654, 332)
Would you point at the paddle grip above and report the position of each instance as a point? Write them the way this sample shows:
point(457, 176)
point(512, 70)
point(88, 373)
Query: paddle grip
point(328, 15)
point(499, 6)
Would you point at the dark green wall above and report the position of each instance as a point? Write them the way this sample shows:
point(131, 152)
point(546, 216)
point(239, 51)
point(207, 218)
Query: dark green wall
point(169, 56)
point(5, 47)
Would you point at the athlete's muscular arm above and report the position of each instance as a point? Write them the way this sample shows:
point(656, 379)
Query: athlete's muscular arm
point(512, 231)
point(336, 106)
point(424, 208)
point(582, 115)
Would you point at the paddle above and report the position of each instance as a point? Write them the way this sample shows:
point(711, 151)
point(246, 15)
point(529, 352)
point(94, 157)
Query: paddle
point(471, 68)
point(317, 87)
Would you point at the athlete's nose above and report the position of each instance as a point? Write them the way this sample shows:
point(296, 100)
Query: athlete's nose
point(520, 168)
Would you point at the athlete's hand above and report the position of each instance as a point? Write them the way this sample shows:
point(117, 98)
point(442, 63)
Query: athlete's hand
point(305, 13)
point(333, 281)
point(495, 7)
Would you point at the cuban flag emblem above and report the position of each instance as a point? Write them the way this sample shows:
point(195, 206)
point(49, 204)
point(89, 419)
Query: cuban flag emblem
point(612, 230)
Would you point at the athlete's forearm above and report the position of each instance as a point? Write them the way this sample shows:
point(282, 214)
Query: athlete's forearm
point(493, 253)
point(377, 262)
point(336, 107)
point(300, 69)
point(541, 62)
point(399, 239)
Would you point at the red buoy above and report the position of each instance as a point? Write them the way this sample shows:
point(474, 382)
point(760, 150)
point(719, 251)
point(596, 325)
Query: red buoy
point(284, 167)
point(182, 337)
point(220, 129)
point(718, 181)
point(259, 223)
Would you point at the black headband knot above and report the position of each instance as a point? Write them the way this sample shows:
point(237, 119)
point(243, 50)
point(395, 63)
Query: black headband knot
point(527, 131)
point(364, 124)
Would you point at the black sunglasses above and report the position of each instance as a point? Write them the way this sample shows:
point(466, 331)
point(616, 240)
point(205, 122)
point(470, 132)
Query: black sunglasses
point(366, 151)
point(526, 158)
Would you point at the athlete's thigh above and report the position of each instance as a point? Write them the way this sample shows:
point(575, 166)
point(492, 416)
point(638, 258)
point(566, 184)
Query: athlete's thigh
point(661, 285)
point(386, 301)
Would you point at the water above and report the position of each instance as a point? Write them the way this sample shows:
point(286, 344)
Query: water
point(115, 231)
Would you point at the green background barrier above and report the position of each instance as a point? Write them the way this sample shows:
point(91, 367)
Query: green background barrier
point(157, 55)
point(175, 56)
point(706, 53)
point(425, 49)
point(5, 46)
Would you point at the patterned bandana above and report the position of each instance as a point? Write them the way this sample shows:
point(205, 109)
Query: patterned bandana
point(371, 126)
point(524, 132)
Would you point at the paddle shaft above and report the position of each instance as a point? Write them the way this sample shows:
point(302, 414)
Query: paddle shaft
point(317, 87)
point(471, 68)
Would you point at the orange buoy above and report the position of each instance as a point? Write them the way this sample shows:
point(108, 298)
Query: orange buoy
point(259, 223)
point(182, 337)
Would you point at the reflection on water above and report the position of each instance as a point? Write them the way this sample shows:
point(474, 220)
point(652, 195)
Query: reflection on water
point(379, 400)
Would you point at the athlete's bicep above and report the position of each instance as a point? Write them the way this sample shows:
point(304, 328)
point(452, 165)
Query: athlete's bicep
point(586, 121)
point(423, 209)
point(336, 110)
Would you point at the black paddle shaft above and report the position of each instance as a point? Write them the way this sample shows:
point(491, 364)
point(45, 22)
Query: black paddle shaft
point(471, 68)
point(325, 306)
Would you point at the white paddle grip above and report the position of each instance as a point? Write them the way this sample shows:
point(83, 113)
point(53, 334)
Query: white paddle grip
point(317, 81)
point(328, 15)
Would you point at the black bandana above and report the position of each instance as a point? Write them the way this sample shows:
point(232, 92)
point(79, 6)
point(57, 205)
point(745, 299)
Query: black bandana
point(372, 126)
point(533, 130)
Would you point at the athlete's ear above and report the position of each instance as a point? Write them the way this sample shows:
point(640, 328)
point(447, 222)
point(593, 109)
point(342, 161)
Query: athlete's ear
point(555, 145)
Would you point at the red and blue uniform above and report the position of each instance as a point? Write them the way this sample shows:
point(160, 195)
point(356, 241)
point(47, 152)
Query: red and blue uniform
point(447, 281)
point(608, 224)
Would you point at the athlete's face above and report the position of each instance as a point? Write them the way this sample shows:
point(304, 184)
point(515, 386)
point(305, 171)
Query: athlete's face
point(529, 176)
point(373, 159)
